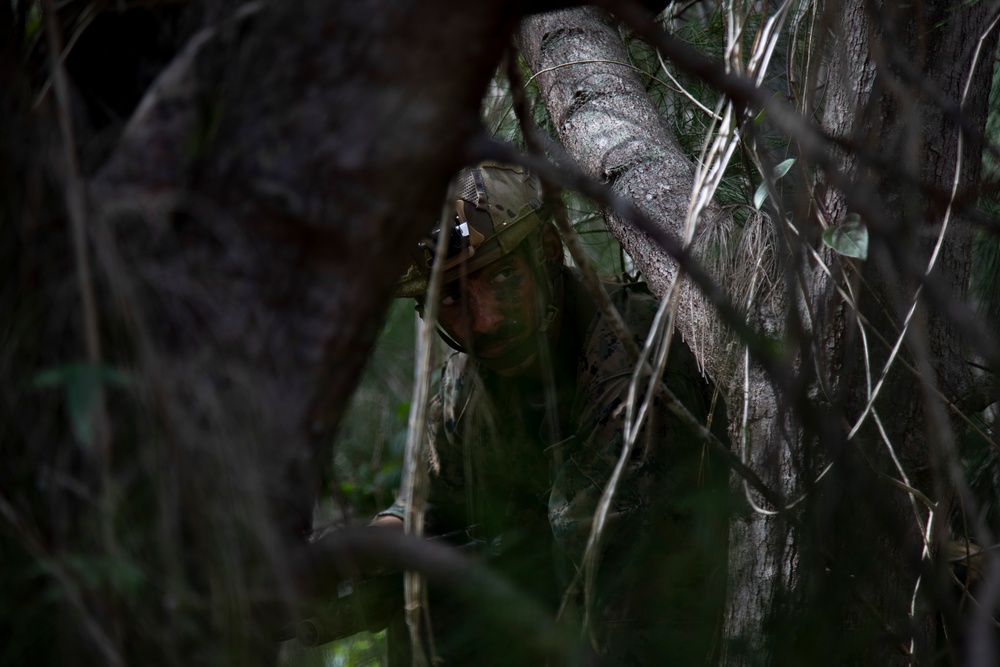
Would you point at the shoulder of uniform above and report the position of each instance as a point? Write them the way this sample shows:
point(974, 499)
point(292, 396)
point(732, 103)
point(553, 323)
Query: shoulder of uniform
point(636, 304)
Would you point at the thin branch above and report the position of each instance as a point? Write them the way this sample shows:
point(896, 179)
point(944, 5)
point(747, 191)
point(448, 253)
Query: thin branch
point(83, 22)
point(416, 486)
point(34, 545)
point(76, 199)
point(683, 91)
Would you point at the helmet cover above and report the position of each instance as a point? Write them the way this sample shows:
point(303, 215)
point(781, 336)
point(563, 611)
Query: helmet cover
point(490, 210)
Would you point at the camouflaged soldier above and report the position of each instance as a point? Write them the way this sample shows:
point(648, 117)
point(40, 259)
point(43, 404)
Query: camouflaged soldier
point(528, 424)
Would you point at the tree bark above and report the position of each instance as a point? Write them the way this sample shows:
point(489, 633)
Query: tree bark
point(608, 124)
point(897, 76)
point(797, 589)
point(247, 231)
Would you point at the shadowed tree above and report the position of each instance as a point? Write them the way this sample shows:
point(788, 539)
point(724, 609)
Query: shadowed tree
point(242, 238)
point(803, 580)
point(178, 361)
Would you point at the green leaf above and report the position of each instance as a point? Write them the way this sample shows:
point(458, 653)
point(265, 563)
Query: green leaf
point(82, 383)
point(849, 238)
point(33, 25)
point(760, 195)
point(91, 572)
point(95, 572)
point(759, 118)
point(779, 171)
point(783, 167)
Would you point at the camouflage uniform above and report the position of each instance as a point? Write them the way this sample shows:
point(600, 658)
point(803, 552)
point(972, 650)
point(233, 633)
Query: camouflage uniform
point(530, 477)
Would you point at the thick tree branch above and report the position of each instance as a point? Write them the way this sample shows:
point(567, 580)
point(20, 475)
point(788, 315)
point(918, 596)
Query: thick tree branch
point(344, 553)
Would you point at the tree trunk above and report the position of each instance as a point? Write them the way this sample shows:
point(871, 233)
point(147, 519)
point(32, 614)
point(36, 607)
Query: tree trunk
point(896, 73)
point(246, 234)
point(607, 122)
point(846, 563)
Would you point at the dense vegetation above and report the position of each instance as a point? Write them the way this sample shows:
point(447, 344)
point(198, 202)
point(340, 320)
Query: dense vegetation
point(191, 286)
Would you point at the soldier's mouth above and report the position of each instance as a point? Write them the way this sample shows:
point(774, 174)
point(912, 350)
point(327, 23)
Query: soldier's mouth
point(499, 343)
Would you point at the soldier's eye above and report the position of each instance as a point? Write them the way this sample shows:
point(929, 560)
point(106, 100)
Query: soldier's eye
point(503, 275)
point(448, 296)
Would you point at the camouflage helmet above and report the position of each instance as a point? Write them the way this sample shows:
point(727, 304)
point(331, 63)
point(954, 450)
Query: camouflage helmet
point(491, 208)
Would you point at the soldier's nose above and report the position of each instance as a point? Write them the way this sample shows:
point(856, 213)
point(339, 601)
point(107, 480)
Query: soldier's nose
point(486, 316)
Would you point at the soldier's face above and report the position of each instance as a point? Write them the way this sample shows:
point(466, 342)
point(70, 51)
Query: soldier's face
point(491, 311)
